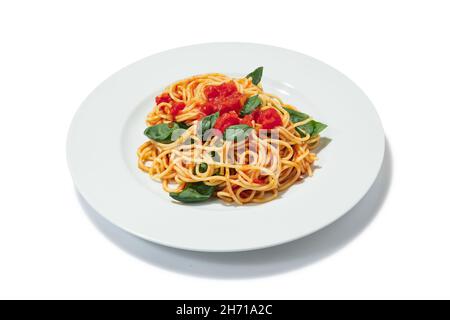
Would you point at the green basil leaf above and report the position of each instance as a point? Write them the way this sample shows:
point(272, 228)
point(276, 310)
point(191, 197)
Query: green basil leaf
point(208, 122)
point(203, 167)
point(162, 132)
point(296, 116)
point(182, 125)
point(306, 128)
point(194, 192)
point(250, 105)
point(318, 127)
point(313, 127)
point(237, 132)
point(256, 75)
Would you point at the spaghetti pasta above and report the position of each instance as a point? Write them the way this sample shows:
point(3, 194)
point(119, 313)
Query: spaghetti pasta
point(216, 135)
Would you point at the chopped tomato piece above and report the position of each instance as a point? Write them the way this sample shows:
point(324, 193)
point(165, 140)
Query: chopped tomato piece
point(255, 115)
point(248, 120)
point(233, 102)
point(223, 98)
point(269, 119)
point(209, 108)
point(177, 107)
point(222, 90)
point(212, 92)
point(226, 120)
point(165, 97)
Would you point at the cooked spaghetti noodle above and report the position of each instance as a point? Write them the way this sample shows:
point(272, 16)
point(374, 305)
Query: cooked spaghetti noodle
point(274, 151)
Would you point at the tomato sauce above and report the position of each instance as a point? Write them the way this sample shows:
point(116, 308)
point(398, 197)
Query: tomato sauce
point(226, 120)
point(176, 107)
point(223, 98)
point(228, 101)
point(164, 97)
point(268, 118)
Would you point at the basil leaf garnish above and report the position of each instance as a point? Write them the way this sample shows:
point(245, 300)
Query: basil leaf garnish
point(162, 132)
point(250, 105)
point(203, 167)
point(318, 127)
point(182, 125)
point(296, 116)
point(208, 122)
point(194, 192)
point(313, 127)
point(256, 75)
point(237, 132)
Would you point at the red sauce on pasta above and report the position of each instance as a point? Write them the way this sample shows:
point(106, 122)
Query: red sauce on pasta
point(223, 98)
point(176, 106)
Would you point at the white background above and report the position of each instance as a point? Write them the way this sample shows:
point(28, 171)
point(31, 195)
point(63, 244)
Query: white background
point(395, 244)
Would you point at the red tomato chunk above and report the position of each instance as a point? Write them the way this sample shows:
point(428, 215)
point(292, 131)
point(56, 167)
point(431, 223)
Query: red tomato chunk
point(165, 97)
point(176, 107)
point(268, 118)
point(226, 120)
point(223, 98)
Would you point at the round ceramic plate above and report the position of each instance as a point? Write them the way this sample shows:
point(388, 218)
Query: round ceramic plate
point(108, 128)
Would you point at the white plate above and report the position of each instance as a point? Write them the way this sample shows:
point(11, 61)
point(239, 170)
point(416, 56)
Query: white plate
point(108, 128)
